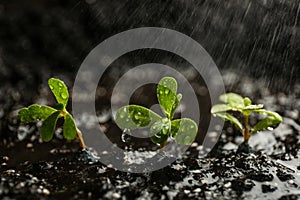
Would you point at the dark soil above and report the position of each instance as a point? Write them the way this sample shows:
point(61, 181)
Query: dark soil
point(59, 170)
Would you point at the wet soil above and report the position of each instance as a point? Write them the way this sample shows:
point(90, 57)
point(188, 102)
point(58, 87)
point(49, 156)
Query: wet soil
point(32, 169)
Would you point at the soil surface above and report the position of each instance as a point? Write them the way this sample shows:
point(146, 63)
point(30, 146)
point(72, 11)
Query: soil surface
point(59, 169)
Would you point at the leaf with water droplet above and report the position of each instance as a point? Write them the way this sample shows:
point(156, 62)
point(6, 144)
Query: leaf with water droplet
point(60, 90)
point(59, 106)
point(166, 94)
point(159, 131)
point(272, 119)
point(69, 128)
point(184, 131)
point(48, 127)
point(233, 120)
point(133, 117)
point(220, 108)
point(233, 100)
point(35, 112)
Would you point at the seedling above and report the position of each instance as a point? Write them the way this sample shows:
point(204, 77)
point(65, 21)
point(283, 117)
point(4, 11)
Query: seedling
point(236, 103)
point(50, 115)
point(182, 130)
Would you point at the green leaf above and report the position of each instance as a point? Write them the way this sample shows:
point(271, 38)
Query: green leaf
point(271, 120)
point(159, 131)
point(228, 117)
point(176, 104)
point(35, 112)
point(159, 138)
point(220, 108)
point(133, 117)
point(166, 94)
point(184, 131)
point(254, 107)
point(69, 127)
point(275, 115)
point(48, 127)
point(233, 100)
point(59, 106)
point(247, 101)
point(60, 90)
point(248, 110)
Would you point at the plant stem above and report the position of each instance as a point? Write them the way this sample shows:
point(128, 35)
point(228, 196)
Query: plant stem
point(162, 145)
point(246, 132)
point(80, 139)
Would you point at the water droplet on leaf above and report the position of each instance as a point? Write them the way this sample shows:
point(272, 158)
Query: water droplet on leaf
point(187, 140)
point(64, 95)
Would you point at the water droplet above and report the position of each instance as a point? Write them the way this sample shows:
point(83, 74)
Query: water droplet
point(167, 91)
point(51, 87)
point(187, 140)
point(137, 117)
point(125, 135)
point(122, 115)
point(165, 120)
point(191, 126)
point(165, 130)
point(60, 84)
point(64, 95)
point(157, 135)
point(160, 92)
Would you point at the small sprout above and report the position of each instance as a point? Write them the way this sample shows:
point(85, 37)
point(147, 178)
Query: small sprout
point(236, 103)
point(50, 115)
point(183, 130)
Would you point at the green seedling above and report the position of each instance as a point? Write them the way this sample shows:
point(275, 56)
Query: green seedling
point(182, 130)
point(50, 115)
point(236, 103)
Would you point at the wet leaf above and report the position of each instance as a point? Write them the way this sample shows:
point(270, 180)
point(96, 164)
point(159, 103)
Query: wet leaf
point(228, 117)
point(247, 101)
point(60, 90)
point(272, 119)
point(233, 100)
point(159, 131)
point(48, 127)
point(184, 131)
point(59, 106)
point(220, 108)
point(166, 94)
point(69, 127)
point(176, 104)
point(134, 116)
point(35, 112)
point(254, 107)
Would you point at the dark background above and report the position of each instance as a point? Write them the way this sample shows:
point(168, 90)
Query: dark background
point(260, 38)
